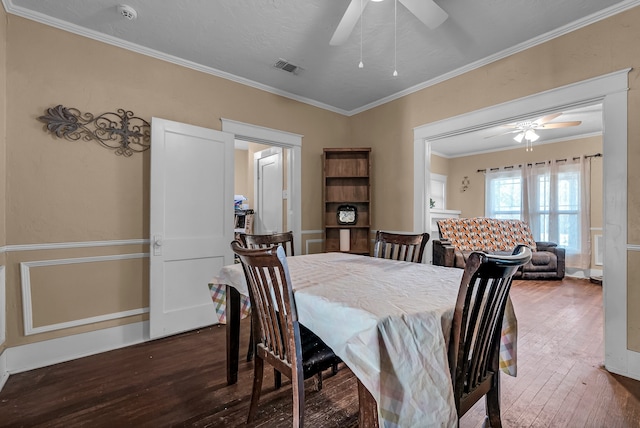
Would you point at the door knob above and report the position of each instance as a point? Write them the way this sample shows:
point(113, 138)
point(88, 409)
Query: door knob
point(157, 245)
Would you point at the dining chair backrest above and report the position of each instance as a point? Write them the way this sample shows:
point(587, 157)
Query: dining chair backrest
point(284, 239)
point(474, 346)
point(397, 246)
point(282, 341)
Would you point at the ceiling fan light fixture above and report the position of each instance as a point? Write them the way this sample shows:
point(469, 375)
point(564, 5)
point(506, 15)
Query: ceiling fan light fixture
point(531, 135)
point(518, 138)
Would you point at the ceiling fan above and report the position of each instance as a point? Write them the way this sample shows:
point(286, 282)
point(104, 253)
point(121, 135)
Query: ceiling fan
point(425, 10)
point(527, 129)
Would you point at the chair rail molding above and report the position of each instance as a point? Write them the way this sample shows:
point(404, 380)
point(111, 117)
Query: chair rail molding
point(80, 244)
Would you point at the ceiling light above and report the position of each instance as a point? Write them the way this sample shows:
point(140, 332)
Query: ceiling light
point(376, 1)
point(519, 137)
point(531, 135)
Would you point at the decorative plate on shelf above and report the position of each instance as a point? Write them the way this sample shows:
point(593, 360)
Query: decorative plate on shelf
point(347, 214)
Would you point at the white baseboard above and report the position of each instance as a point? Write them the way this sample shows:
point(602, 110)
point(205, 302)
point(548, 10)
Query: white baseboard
point(583, 273)
point(4, 374)
point(22, 358)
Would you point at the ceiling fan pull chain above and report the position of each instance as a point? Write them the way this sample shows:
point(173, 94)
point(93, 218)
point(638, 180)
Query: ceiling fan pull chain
point(361, 65)
point(395, 38)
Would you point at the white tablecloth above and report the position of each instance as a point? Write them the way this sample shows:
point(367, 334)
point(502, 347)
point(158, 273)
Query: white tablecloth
point(389, 321)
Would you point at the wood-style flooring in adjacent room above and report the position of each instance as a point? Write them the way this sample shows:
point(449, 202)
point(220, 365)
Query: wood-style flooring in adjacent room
point(181, 380)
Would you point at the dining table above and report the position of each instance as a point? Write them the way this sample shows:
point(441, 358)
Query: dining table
point(389, 321)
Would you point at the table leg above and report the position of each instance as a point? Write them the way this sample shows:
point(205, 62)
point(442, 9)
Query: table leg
point(233, 333)
point(368, 414)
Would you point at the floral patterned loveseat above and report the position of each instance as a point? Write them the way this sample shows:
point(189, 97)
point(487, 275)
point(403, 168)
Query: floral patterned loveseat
point(461, 236)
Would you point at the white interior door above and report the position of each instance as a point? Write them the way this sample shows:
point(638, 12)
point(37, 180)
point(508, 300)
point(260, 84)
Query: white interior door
point(268, 176)
point(191, 223)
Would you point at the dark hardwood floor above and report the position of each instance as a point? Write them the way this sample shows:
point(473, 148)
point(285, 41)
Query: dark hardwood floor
point(181, 380)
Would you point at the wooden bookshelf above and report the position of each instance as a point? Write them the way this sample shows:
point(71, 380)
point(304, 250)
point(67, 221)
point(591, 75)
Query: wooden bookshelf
point(347, 181)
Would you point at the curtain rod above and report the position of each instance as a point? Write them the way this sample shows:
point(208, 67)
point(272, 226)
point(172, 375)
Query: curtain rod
point(596, 155)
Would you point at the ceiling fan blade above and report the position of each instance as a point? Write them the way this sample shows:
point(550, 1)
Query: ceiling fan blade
point(560, 124)
point(503, 133)
point(426, 11)
point(548, 118)
point(348, 22)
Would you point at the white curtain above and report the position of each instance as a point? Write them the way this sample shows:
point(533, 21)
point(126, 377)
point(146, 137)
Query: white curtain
point(556, 204)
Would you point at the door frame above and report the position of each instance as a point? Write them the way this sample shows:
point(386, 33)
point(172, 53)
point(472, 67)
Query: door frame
point(610, 90)
point(293, 142)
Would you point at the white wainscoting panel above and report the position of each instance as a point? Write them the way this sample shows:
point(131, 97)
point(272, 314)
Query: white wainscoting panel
point(27, 308)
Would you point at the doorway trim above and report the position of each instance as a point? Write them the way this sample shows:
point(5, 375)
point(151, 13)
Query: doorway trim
point(610, 90)
point(289, 140)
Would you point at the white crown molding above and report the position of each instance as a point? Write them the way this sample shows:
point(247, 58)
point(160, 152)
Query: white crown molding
point(72, 28)
point(54, 22)
point(67, 245)
point(573, 26)
point(27, 307)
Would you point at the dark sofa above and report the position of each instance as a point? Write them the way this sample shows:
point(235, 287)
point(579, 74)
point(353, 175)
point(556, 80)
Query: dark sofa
point(461, 236)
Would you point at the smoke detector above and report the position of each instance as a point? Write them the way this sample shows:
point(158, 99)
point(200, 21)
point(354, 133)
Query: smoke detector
point(128, 12)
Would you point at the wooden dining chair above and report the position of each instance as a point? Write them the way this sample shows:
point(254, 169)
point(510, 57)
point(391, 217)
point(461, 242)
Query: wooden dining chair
point(474, 346)
point(283, 239)
point(282, 341)
point(397, 246)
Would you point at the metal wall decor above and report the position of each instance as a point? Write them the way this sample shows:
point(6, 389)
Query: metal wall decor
point(122, 131)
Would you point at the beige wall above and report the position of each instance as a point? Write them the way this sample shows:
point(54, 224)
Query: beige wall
point(241, 182)
point(61, 191)
point(440, 165)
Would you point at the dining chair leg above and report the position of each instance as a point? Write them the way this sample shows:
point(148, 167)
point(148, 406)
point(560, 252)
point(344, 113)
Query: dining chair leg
point(277, 379)
point(493, 402)
point(250, 350)
point(297, 384)
point(258, 370)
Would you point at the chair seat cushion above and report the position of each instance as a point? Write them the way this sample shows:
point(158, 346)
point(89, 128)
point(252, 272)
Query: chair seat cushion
point(316, 355)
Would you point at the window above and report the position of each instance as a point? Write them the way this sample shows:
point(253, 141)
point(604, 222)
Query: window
point(439, 191)
point(504, 195)
point(554, 211)
point(550, 199)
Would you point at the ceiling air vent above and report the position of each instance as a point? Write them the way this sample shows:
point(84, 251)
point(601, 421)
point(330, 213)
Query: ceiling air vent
point(285, 65)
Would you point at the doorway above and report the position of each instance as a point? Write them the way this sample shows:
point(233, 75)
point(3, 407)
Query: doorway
point(611, 91)
point(291, 145)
